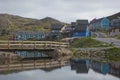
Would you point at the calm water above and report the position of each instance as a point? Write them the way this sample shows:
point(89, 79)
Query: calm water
point(76, 71)
point(63, 73)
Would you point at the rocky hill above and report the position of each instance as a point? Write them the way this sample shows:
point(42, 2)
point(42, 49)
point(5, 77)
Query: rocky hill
point(10, 23)
point(20, 23)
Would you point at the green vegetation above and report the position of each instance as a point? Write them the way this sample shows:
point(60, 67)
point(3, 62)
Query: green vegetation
point(94, 36)
point(6, 37)
point(117, 36)
point(87, 43)
point(109, 55)
point(113, 54)
point(78, 54)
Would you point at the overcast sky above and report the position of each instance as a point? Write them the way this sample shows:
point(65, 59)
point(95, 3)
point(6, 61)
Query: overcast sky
point(63, 10)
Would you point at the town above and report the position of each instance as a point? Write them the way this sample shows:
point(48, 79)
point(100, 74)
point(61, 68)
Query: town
point(94, 43)
point(105, 29)
point(109, 26)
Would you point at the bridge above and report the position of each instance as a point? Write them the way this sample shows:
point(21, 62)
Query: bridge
point(31, 45)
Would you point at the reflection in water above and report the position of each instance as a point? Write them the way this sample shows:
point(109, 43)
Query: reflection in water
point(63, 73)
point(82, 66)
point(17, 56)
point(103, 68)
point(115, 70)
point(45, 64)
point(32, 54)
point(53, 70)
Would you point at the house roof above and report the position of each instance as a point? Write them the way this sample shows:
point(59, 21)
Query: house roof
point(82, 22)
point(108, 17)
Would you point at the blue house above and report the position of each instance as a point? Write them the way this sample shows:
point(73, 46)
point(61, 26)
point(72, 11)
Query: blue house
point(79, 34)
point(105, 23)
point(80, 28)
point(27, 35)
point(100, 24)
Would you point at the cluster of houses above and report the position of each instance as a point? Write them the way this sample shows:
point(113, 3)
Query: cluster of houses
point(57, 31)
point(29, 35)
point(80, 28)
point(112, 26)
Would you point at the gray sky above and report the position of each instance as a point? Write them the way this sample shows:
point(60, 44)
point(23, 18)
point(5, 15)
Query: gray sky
point(63, 10)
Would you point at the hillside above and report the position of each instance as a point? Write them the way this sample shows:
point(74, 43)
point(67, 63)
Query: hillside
point(114, 16)
point(9, 23)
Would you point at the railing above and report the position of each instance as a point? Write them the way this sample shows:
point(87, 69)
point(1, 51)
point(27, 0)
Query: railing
point(32, 64)
point(32, 44)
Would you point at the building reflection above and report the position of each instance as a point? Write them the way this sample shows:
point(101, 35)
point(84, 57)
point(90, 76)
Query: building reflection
point(82, 66)
point(102, 68)
point(115, 69)
point(33, 54)
point(17, 56)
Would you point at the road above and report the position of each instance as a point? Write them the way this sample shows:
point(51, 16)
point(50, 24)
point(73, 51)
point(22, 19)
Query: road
point(116, 42)
point(99, 48)
point(100, 35)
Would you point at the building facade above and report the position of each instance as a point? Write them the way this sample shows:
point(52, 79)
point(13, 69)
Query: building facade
point(115, 27)
point(80, 28)
point(56, 28)
point(99, 24)
point(66, 31)
point(29, 35)
point(55, 31)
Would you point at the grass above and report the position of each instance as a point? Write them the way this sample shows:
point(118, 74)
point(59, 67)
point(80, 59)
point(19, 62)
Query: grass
point(117, 36)
point(110, 55)
point(94, 36)
point(77, 54)
point(87, 43)
point(113, 54)
point(6, 37)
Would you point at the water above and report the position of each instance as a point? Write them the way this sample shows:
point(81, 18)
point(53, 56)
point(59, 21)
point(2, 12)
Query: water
point(63, 73)
point(41, 67)
point(81, 70)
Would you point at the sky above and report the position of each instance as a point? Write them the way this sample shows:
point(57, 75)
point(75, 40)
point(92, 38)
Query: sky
point(63, 10)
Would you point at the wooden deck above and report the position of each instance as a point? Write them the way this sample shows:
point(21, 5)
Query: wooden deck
point(30, 45)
